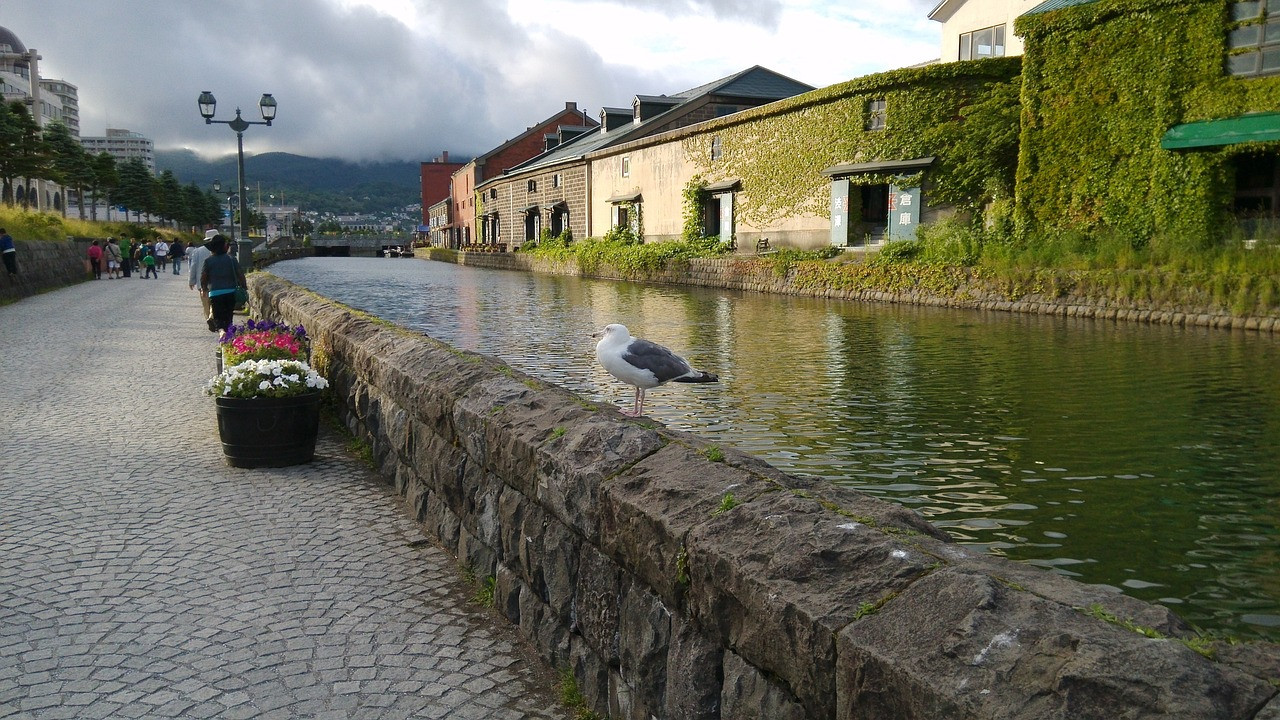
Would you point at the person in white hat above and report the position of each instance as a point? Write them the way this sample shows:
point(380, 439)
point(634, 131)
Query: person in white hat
point(196, 257)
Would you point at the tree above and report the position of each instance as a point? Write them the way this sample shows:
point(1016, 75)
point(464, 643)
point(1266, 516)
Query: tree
point(135, 190)
point(71, 165)
point(23, 153)
point(171, 201)
point(105, 178)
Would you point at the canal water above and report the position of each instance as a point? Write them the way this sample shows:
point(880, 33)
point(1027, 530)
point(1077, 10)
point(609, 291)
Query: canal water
point(1146, 458)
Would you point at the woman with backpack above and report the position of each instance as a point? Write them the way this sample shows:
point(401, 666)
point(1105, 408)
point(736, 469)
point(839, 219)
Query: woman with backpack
point(220, 278)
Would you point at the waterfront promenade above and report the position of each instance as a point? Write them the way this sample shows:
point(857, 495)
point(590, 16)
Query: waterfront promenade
point(141, 577)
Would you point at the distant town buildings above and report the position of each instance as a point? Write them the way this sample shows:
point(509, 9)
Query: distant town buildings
point(123, 145)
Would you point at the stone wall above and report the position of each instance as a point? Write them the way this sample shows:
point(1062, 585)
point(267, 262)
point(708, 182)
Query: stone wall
point(44, 266)
point(748, 273)
point(681, 581)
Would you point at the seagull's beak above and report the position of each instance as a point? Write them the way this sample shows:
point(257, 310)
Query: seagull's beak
point(597, 333)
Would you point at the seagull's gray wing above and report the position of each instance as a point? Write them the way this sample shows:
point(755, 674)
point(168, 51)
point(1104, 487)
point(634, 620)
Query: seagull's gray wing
point(664, 364)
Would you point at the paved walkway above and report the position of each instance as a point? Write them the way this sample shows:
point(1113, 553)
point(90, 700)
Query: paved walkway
point(140, 576)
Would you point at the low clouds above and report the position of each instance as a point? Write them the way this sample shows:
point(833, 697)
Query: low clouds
point(407, 79)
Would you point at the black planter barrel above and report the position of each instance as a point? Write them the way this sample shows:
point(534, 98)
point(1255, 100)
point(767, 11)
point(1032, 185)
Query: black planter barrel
point(268, 432)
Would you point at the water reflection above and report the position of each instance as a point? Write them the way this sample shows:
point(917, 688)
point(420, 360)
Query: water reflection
point(1144, 458)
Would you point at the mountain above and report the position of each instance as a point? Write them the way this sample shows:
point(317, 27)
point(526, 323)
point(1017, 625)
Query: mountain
point(323, 185)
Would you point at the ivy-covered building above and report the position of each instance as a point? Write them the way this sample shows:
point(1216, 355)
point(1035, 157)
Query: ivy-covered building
point(1153, 119)
point(845, 165)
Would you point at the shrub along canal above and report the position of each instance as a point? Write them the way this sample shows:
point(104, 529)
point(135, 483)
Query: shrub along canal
point(1142, 457)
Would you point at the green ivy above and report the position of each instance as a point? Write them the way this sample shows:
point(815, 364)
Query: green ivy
point(1102, 82)
point(964, 113)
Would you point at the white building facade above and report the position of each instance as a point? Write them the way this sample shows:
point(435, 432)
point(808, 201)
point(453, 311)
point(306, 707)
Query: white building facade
point(975, 29)
point(20, 81)
point(123, 145)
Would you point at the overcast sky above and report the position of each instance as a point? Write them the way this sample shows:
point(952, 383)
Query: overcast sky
point(407, 79)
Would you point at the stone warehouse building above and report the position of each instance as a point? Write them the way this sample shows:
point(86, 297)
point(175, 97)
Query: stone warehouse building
point(464, 184)
point(1150, 119)
point(553, 191)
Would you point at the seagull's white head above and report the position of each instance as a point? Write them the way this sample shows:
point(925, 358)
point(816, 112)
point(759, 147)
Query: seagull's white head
point(612, 331)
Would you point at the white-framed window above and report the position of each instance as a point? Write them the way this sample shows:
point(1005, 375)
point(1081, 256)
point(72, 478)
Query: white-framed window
point(557, 180)
point(626, 166)
point(533, 186)
point(1253, 41)
point(716, 149)
point(877, 114)
point(984, 43)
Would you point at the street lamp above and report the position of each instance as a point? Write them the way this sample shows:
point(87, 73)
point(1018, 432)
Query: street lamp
point(267, 106)
point(231, 218)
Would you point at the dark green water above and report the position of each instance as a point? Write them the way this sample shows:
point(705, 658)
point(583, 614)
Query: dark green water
point(1143, 458)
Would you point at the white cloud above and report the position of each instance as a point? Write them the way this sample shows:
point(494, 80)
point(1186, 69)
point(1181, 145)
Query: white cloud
point(406, 79)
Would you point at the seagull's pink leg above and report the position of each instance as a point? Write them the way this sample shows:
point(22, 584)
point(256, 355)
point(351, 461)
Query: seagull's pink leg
point(640, 406)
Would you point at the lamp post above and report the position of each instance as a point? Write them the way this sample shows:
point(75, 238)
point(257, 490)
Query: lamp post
point(231, 218)
point(267, 106)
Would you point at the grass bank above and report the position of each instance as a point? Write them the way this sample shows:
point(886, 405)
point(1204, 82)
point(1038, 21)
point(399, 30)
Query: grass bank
point(949, 259)
point(33, 226)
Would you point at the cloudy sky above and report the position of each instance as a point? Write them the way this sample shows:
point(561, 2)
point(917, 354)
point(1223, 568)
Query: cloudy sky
point(406, 79)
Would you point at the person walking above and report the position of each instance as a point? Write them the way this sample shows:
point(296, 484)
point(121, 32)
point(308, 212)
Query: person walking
point(95, 259)
point(149, 261)
point(126, 258)
point(220, 277)
point(197, 256)
point(176, 253)
point(9, 253)
point(112, 253)
point(161, 250)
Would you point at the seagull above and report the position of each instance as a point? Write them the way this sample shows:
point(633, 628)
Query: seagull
point(643, 364)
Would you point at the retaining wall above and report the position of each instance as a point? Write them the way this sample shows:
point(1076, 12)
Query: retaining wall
point(750, 273)
point(682, 582)
point(44, 266)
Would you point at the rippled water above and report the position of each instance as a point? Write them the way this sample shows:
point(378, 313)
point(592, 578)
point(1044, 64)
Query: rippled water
point(1142, 457)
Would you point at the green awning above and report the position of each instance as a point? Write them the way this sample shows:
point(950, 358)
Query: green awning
point(1255, 127)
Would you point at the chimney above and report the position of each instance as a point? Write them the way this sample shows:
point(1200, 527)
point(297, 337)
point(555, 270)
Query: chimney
point(570, 105)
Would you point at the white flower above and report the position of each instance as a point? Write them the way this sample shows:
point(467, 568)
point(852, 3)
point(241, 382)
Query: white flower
point(264, 385)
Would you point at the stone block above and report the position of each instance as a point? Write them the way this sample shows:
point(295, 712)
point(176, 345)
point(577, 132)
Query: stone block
point(1055, 587)
point(749, 695)
point(644, 640)
point(779, 577)
point(694, 673)
point(546, 554)
point(507, 587)
point(963, 645)
point(543, 628)
point(441, 522)
point(572, 467)
point(591, 674)
point(474, 554)
point(647, 511)
point(597, 596)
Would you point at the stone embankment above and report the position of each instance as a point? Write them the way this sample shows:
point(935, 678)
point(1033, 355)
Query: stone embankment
point(44, 266)
point(679, 580)
point(750, 273)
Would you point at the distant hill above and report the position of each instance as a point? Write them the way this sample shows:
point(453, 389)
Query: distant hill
point(317, 184)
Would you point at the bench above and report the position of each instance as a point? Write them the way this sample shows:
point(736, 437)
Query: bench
point(763, 247)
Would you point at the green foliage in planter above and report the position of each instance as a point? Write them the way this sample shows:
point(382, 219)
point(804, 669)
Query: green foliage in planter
point(963, 113)
point(1102, 82)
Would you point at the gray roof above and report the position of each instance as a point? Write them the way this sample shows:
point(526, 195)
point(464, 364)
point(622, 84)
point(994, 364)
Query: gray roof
point(754, 82)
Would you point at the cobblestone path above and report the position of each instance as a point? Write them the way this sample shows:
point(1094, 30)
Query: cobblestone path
point(141, 577)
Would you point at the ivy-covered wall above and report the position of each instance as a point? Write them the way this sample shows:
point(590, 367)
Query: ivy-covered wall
point(1102, 83)
point(964, 113)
